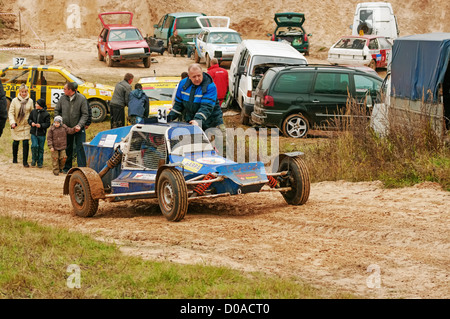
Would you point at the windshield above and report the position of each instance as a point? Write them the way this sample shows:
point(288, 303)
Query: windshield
point(125, 35)
point(189, 143)
point(225, 38)
point(74, 78)
point(159, 93)
point(187, 23)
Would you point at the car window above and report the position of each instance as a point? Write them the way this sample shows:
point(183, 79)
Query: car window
point(294, 82)
point(187, 23)
point(224, 37)
point(373, 44)
point(331, 83)
point(350, 43)
point(15, 76)
point(276, 60)
point(168, 22)
point(364, 83)
point(267, 80)
point(125, 35)
point(51, 78)
point(161, 21)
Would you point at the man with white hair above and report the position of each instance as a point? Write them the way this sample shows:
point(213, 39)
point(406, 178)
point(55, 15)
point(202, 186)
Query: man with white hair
point(196, 101)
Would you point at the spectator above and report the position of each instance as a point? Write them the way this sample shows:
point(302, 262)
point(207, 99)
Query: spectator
point(119, 100)
point(57, 143)
point(220, 78)
point(138, 105)
point(73, 108)
point(19, 110)
point(176, 42)
point(39, 120)
point(3, 109)
point(196, 100)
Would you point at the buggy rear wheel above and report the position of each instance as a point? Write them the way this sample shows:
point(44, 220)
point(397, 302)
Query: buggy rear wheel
point(297, 178)
point(172, 194)
point(80, 195)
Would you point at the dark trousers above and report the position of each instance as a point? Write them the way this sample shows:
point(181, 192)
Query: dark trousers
point(25, 149)
point(37, 150)
point(117, 116)
point(75, 141)
point(2, 125)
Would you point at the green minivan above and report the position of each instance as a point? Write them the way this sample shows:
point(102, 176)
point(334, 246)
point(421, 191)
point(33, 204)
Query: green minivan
point(297, 98)
point(184, 22)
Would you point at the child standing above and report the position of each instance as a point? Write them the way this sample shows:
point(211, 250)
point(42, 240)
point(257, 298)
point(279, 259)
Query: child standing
point(57, 142)
point(138, 105)
point(39, 120)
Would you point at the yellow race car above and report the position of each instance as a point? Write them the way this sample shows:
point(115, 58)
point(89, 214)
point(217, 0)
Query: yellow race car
point(159, 90)
point(47, 82)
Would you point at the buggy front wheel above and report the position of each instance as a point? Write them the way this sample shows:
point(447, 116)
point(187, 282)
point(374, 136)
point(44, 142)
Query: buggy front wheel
point(297, 178)
point(172, 194)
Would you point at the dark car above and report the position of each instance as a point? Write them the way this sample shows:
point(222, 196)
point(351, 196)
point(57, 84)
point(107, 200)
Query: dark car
point(290, 28)
point(121, 42)
point(296, 98)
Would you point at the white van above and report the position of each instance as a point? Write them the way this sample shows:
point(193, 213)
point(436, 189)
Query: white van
point(250, 61)
point(375, 18)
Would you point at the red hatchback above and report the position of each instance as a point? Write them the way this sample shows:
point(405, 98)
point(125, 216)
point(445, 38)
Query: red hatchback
point(121, 41)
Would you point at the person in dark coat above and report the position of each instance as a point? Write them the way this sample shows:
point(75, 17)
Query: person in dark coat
point(3, 109)
point(119, 101)
point(39, 121)
point(138, 105)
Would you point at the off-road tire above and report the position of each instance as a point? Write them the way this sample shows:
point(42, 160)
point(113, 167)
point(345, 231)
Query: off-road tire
point(172, 194)
point(100, 56)
point(147, 62)
point(297, 178)
point(109, 61)
point(295, 125)
point(80, 195)
point(196, 57)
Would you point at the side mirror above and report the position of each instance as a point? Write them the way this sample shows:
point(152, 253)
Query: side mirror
point(351, 26)
point(155, 26)
point(269, 34)
point(369, 101)
point(309, 34)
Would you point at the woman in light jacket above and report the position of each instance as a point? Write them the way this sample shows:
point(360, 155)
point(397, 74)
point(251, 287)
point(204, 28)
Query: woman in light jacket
point(19, 110)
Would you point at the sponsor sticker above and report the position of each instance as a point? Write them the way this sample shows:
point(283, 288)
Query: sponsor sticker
point(191, 165)
point(120, 184)
point(147, 177)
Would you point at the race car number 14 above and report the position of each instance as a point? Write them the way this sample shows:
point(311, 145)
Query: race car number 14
point(162, 115)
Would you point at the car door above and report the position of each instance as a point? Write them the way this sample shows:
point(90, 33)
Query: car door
point(102, 41)
point(328, 98)
point(366, 86)
point(161, 29)
point(200, 43)
point(50, 86)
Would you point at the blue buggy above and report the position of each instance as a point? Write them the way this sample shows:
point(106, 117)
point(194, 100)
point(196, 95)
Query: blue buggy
point(175, 163)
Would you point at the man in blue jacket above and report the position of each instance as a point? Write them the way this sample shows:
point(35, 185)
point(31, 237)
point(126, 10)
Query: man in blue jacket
point(196, 101)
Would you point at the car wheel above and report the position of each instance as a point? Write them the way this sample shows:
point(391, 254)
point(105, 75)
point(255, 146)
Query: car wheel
point(297, 178)
point(98, 110)
point(196, 57)
point(295, 125)
point(373, 65)
point(147, 62)
point(208, 61)
point(109, 61)
point(80, 195)
point(100, 56)
point(172, 194)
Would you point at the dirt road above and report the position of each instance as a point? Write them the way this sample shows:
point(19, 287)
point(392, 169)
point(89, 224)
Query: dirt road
point(353, 237)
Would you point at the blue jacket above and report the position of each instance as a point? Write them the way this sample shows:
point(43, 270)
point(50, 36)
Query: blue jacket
point(197, 103)
point(138, 103)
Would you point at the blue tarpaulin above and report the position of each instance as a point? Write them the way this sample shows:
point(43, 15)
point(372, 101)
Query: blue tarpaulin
point(419, 63)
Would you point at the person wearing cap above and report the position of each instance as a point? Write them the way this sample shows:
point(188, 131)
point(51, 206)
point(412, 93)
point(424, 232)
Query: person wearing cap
point(39, 121)
point(57, 143)
point(19, 110)
point(73, 107)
